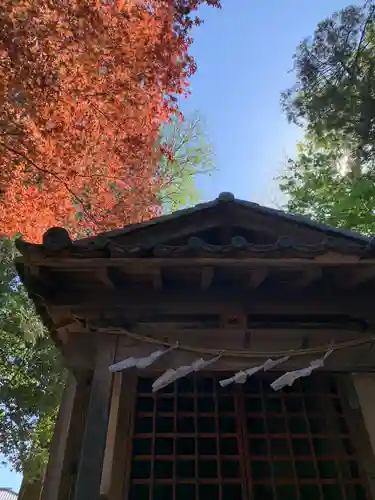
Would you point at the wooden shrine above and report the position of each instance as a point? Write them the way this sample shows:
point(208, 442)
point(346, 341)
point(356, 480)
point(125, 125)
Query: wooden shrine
point(228, 278)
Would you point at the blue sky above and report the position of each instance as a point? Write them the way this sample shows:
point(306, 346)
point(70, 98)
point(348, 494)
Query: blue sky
point(244, 53)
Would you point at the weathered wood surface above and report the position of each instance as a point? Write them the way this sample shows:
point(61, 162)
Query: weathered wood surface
point(58, 446)
point(358, 425)
point(94, 440)
point(331, 260)
point(213, 302)
point(74, 439)
point(79, 350)
point(123, 445)
point(108, 462)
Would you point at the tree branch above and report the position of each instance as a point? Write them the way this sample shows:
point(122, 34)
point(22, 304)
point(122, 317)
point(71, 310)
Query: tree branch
point(54, 175)
point(363, 33)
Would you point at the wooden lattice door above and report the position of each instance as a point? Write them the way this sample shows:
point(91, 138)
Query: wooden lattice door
point(196, 440)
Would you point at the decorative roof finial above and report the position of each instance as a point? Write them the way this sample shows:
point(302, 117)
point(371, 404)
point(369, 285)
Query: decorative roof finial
point(225, 197)
point(56, 238)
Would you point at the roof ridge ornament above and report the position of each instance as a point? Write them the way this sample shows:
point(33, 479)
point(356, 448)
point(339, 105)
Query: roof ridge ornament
point(226, 197)
point(239, 242)
point(285, 242)
point(56, 239)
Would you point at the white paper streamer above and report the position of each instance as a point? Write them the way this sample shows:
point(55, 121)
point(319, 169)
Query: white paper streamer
point(241, 377)
point(144, 362)
point(172, 375)
point(290, 377)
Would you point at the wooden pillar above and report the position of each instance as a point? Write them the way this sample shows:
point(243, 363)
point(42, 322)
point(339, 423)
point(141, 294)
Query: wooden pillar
point(111, 436)
point(123, 444)
point(360, 408)
point(53, 476)
point(90, 466)
point(364, 384)
point(74, 438)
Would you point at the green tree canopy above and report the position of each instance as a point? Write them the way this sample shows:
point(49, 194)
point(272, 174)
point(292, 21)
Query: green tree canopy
point(31, 374)
point(188, 155)
point(317, 184)
point(332, 178)
point(334, 93)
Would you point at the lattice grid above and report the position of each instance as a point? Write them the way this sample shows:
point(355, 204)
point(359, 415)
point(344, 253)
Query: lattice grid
point(196, 440)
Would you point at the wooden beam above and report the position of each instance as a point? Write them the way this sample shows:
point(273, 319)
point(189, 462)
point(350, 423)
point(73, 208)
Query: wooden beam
point(205, 333)
point(207, 277)
point(64, 323)
point(212, 302)
point(53, 476)
point(256, 277)
point(355, 277)
point(231, 322)
point(94, 440)
point(151, 262)
point(305, 278)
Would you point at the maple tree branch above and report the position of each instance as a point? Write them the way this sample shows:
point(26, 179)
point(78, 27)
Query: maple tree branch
point(100, 111)
point(85, 176)
point(11, 134)
point(54, 175)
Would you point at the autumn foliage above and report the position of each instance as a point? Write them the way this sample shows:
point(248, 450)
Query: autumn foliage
point(84, 87)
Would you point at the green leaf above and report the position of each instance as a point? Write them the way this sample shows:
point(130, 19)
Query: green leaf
point(31, 374)
point(192, 156)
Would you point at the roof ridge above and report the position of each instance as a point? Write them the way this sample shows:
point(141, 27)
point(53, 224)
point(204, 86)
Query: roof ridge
point(227, 197)
point(223, 199)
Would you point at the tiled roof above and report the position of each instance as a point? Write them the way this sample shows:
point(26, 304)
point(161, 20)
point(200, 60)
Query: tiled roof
point(229, 198)
point(331, 238)
point(239, 247)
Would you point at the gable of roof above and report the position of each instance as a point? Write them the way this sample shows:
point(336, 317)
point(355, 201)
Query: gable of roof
point(250, 207)
point(261, 225)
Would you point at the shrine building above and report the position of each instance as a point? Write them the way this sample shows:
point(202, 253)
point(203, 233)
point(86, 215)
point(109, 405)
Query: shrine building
point(265, 324)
